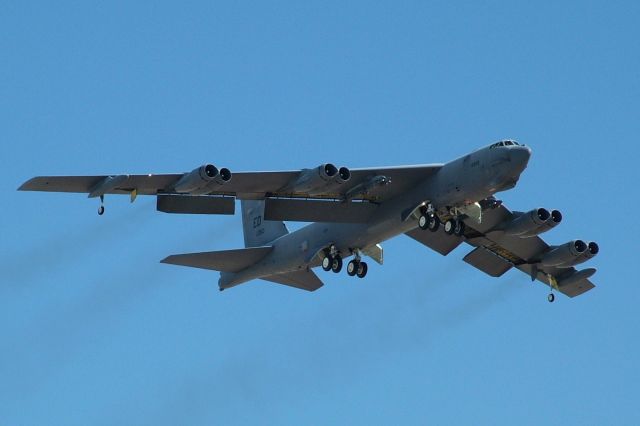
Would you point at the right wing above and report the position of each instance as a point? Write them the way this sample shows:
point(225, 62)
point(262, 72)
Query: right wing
point(363, 184)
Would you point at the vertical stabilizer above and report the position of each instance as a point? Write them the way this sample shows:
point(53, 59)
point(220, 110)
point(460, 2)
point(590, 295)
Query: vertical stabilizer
point(257, 231)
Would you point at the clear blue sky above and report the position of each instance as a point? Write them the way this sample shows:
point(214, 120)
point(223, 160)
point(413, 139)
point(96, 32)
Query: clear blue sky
point(94, 330)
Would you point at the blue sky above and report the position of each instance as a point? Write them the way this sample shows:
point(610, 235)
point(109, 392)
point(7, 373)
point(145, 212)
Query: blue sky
point(95, 331)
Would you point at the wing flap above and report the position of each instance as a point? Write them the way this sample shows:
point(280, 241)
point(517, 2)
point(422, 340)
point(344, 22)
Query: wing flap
point(438, 241)
point(305, 280)
point(488, 262)
point(318, 210)
point(224, 260)
point(200, 204)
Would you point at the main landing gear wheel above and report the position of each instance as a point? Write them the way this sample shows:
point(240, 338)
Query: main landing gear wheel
point(449, 226)
point(336, 265)
point(551, 297)
point(362, 270)
point(433, 223)
point(352, 268)
point(458, 229)
point(327, 262)
point(423, 222)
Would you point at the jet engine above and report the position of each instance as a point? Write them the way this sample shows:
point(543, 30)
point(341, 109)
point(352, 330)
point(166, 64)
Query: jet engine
point(533, 223)
point(198, 179)
point(592, 251)
point(527, 222)
point(565, 255)
point(319, 179)
point(552, 222)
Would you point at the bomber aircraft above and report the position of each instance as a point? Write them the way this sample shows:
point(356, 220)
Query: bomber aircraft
point(353, 211)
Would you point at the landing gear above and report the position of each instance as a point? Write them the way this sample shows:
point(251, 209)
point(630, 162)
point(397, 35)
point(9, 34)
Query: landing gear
point(449, 226)
point(332, 260)
point(101, 208)
point(327, 262)
point(423, 221)
point(428, 219)
point(551, 297)
point(352, 267)
point(336, 265)
point(454, 227)
point(362, 270)
point(433, 224)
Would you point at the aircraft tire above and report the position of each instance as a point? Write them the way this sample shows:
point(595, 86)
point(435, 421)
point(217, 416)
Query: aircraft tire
point(551, 297)
point(327, 262)
point(336, 265)
point(100, 210)
point(449, 227)
point(423, 222)
point(458, 229)
point(352, 268)
point(362, 270)
point(433, 223)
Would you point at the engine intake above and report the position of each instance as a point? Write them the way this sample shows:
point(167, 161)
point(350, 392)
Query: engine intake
point(528, 222)
point(320, 179)
point(565, 255)
point(552, 222)
point(198, 179)
point(591, 251)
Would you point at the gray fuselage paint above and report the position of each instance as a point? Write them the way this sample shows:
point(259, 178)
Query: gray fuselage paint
point(465, 180)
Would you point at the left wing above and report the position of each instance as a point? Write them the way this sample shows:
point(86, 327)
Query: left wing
point(496, 251)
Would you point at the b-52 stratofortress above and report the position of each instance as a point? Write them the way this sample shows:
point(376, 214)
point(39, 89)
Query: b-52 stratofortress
point(439, 205)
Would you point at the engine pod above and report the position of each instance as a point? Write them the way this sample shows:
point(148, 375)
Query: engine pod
point(565, 255)
point(196, 179)
point(528, 222)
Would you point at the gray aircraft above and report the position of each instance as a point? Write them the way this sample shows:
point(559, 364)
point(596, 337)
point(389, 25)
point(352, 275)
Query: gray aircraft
point(439, 205)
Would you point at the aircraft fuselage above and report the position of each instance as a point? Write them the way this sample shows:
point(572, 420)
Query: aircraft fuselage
point(459, 183)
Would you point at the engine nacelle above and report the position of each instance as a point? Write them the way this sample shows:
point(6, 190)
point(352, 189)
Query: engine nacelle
point(565, 255)
point(527, 222)
point(552, 222)
point(319, 179)
point(591, 251)
point(198, 179)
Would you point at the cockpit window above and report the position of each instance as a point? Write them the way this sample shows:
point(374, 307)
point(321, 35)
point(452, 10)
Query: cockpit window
point(504, 143)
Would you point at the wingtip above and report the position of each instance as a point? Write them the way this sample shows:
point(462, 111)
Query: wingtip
point(25, 185)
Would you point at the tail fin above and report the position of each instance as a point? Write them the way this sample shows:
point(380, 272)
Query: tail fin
point(257, 231)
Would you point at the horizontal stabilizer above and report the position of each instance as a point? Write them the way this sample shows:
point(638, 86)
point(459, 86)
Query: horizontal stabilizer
point(304, 279)
point(202, 204)
point(318, 210)
point(488, 262)
point(224, 260)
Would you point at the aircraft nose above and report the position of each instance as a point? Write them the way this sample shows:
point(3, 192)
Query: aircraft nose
point(520, 155)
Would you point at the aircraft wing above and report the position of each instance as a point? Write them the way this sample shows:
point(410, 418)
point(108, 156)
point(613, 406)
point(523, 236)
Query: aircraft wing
point(372, 184)
point(495, 252)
